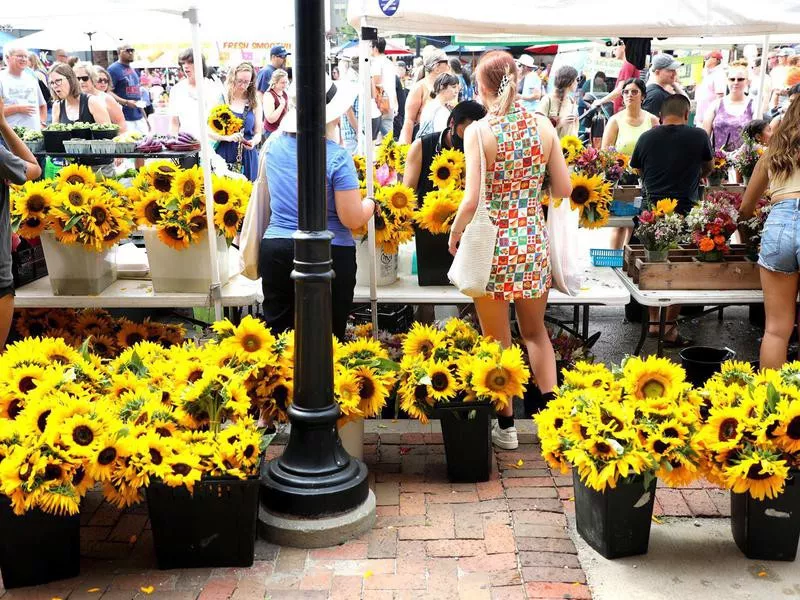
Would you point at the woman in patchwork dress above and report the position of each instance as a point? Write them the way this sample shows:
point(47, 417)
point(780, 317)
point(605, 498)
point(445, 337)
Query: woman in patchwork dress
point(519, 147)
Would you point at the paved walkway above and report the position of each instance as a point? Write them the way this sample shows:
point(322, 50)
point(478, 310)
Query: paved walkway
point(504, 539)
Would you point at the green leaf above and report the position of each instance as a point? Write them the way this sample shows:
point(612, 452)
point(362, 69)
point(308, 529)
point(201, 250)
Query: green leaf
point(84, 349)
point(385, 364)
point(773, 397)
point(649, 476)
point(173, 204)
point(73, 220)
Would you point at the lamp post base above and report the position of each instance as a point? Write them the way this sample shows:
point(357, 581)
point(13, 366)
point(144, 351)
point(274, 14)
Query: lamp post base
point(328, 530)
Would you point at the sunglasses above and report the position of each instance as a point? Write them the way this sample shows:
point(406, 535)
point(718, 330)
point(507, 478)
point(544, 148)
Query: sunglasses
point(101, 80)
point(630, 92)
point(83, 78)
point(129, 50)
point(739, 79)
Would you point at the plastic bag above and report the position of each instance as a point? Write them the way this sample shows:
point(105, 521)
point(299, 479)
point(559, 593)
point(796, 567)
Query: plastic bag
point(562, 231)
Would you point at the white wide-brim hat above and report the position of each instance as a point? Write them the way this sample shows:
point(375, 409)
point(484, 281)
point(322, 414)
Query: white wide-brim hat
point(339, 96)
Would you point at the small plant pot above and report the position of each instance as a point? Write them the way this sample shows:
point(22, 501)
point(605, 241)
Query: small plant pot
point(124, 147)
point(53, 141)
point(103, 146)
point(466, 432)
point(768, 529)
point(35, 145)
point(37, 548)
point(656, 255)
point(616, 522)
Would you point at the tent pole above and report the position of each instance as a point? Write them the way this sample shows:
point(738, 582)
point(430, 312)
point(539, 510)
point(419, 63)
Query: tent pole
point(215, 291)
point(762, 97)
point(369, 148)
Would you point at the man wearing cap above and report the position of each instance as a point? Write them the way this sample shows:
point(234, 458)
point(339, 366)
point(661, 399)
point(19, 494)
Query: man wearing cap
point(780, 71)
point(712, 86)
point(531, 83)
point(663, 82)
point(126, 89)
point(277, 60)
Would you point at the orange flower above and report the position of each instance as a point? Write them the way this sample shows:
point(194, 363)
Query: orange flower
point(706, 245)
point(719, 240)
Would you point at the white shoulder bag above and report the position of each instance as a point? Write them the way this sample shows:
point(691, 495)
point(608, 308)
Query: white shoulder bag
point(472, 265)
point(256, 221)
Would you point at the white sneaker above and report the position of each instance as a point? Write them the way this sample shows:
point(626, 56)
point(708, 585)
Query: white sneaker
point(504, 438)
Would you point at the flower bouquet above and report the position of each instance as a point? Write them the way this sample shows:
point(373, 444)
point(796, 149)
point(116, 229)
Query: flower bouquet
point(572, 147)
point(720, 171)
point(750, 441)
point(745, 157)
point(619, 430)
point(171, 209)
point(751, 229)
point(660, 229)
point(591, 196)
point(711, 223)
point(224, 122)
point(79, 220)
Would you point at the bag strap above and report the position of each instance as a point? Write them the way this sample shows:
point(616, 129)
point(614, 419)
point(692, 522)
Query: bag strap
point(481, 209)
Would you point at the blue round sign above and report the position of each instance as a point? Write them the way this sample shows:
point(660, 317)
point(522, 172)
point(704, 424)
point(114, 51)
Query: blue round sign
point(388, 7)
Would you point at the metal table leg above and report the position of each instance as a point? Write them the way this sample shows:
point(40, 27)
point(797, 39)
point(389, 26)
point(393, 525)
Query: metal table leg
point(576, 316)
point(662, 318)
point(585, 322)
point(645, 327)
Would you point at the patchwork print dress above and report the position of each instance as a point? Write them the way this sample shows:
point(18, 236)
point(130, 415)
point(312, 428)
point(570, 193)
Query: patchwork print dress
point(521, 264)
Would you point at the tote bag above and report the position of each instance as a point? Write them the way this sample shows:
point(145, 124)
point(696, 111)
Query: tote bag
point(472, 264)
point(256, 221)
point(562, 233)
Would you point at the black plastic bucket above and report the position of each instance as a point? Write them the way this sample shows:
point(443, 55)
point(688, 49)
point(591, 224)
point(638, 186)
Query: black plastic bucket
point(466, 432)
point(701, 362)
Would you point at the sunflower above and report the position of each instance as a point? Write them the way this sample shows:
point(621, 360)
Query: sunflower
point(362, 349)
point(399, 198)
point(439, 208)
point(197, 220)
point(416, 400)
point(188, 183)
point(443, 385)
point(422, 340)
point(131, 333)
point(225, 191)
point(101, 218)
point(81, 435)
point(500, 379)
point(103, 345)
point(101, 464)
point(677, 471)
point(30, 204)
point(762, 475)
point(76, 174)
point(161, 173)
point(602, 448)
point(228, 218)
point(571, 146)
point(724, 428)
point(347, 391)
point(149, 210)
point(34, 417)
point(183, 469)
point(652, 378)
point(250, 336)
point(788, 432)
point(174, 237)
point(371, 390)
point(444, 174)
point(585, 190)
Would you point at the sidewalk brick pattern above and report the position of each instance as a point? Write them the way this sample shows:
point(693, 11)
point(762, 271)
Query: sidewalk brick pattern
point(503, 539)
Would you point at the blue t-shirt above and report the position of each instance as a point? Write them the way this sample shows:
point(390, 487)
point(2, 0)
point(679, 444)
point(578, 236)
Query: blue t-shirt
point(264, 75)
point(125, 84)
point(282, 177)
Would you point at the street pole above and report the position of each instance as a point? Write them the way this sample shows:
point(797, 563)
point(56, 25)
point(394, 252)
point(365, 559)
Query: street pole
point(315, 477)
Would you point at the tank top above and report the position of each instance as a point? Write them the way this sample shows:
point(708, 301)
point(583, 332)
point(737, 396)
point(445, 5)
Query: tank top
point(628, 134)
point(274, 126)
point(84, 114)
point(432, 145)
point(727, 128)
point(788, 187)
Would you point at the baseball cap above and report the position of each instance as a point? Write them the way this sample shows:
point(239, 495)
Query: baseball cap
point(279, 51)
point(714, 54)
point(665, 61)
point(435, 57)
point(526, 61)
point(786, 52)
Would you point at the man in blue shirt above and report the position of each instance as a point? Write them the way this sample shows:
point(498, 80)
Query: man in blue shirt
point(125, 88)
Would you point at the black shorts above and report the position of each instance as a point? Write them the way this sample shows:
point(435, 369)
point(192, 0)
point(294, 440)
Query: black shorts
point(7, 290)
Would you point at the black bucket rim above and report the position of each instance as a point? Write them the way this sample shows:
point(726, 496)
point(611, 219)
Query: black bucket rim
point(729, 354)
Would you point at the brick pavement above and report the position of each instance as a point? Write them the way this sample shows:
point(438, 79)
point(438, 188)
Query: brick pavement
point(504, 539)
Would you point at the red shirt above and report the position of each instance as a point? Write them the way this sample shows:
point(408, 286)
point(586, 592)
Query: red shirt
point(626, 72)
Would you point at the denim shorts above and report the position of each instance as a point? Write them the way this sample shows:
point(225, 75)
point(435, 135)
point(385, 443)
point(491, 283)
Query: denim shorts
point(780, 240)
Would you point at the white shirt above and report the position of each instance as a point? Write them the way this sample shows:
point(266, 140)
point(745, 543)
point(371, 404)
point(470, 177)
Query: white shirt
point(530, 84)
point(385, 68)
point(183, 103)
point(713, 83)
point(434, 118)
point(23, 90)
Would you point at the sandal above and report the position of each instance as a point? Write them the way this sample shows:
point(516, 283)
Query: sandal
point(678, 342)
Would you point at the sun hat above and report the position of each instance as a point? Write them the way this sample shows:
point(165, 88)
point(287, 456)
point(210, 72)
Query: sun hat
point(339, 96)
point(526, 60)
point(665, 61)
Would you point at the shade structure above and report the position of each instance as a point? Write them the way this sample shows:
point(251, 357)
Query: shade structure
point(71, 39)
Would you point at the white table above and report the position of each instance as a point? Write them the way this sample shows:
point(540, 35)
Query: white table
point(662, 299)
point(601, 287)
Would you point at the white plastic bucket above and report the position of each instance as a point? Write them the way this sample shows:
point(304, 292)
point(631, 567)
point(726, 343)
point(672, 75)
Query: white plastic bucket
point(76, 270)
point(386, 265)
point(184, 271)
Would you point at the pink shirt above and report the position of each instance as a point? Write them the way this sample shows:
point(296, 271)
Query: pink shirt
point(627, 71)
point(713, 83)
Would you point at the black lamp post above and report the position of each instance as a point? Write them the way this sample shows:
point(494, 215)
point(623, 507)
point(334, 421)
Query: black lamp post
point(315, 476)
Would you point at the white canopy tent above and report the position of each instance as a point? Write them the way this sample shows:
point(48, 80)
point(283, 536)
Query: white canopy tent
point(70, 39)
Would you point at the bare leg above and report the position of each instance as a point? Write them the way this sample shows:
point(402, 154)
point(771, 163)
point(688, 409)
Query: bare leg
point(673, 312)
point(6, 316)
point(493, 317)
point(780, 289)
point(620, 237)
point(530, 315)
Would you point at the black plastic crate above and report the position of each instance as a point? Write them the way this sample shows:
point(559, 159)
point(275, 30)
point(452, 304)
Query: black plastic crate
point(27, 262)
point(768, 529)
point(394, 318)
point(214, 527)
point(615, 522)
point(466, 432)
point(37, 548)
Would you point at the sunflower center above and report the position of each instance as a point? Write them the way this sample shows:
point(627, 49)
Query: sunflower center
point(440, 381)
point(163, 431)
point(580, 194)
point(189, 188)
point(754, 472)
point(107, 456)
point(162, 182)
point(281, 395)
point(41, 422)
point(36, 203)
point(367, 388)
point(443, 172)
point(99, 214)
point(602, 448)
point(194, 376)
point(727, 429)
point(155, 457)
point(671, 432)
point(152, 211)
point(75, 179)
point(230, 218)
point(399, 200)
point(380, 223)
point(249, 451)
point(181, 469)
point(26, 384)
point(52, 472)
point(197, 223)
point(75, 198)
point(653, 388)
point(80, 473)
point(420, 393)
point(251, 343)
point(83, 435)
point(173, 232)
point(793, 429)
point(221, 197)
point(426, 348)
point(558, 423)
point(660, 446)
point(33, 222)
point(497, 379)
point(134, 337)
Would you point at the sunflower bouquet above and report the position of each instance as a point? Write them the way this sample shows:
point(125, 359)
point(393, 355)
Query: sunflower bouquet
point(105, 335)
point(172, 201)
point(391, 155)
point(711, 222)
point(751, 428)
point(393, 217)
point(720, 170)
point(640, 419)
point(572, 147)
point(590, 196)
point(457, 364)
point(364, 377)
point(660, 228)
point(439, 207)
point(613, 164)
point(223, 121)
point(77, 207)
